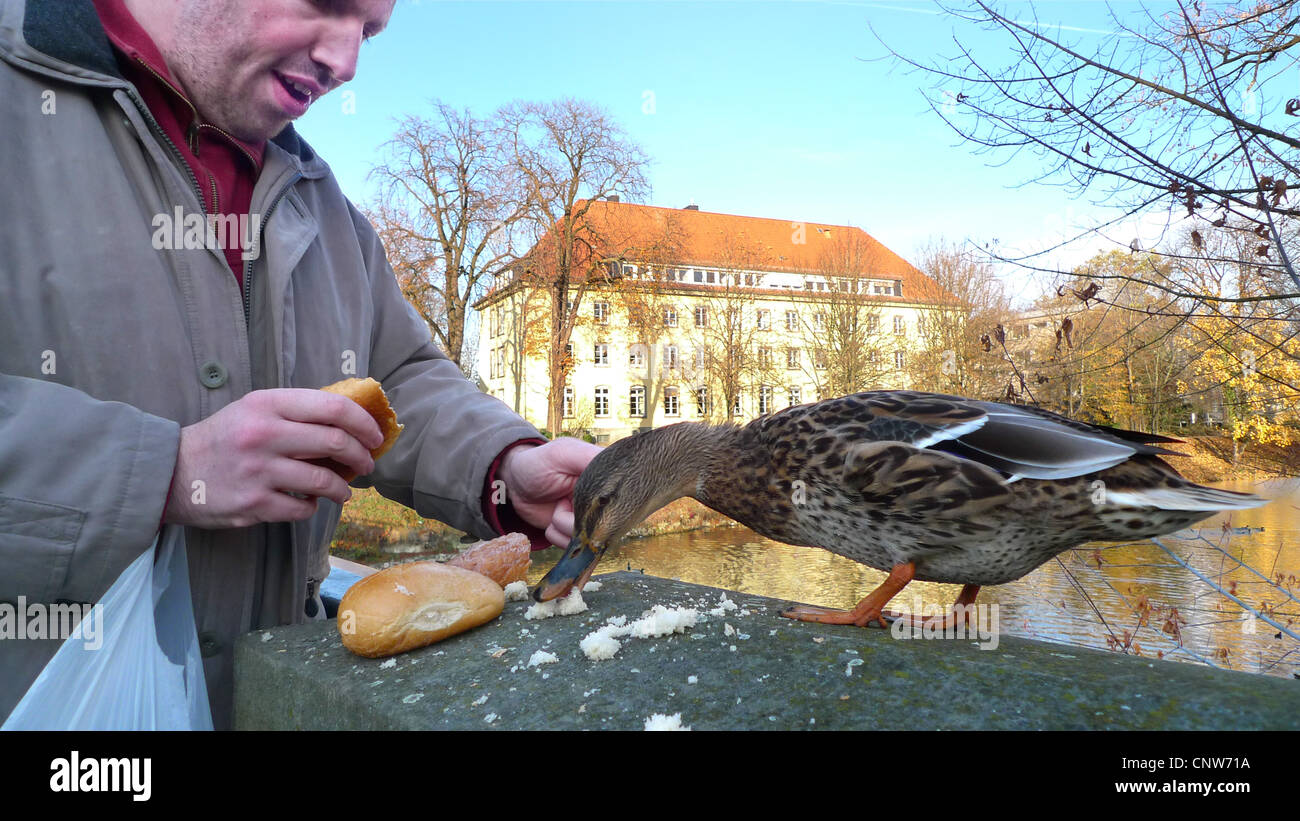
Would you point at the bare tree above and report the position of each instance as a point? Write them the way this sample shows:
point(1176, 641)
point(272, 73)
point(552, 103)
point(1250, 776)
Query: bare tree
point(1185, 113)
point(729, 359)
point(966, 303)
point(448, 206)
point(1178, 116)
point(566, 156)
point(842, 327)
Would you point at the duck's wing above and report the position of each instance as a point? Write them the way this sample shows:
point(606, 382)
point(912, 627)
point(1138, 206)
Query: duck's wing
point(1018, 441)
point(1038, 444)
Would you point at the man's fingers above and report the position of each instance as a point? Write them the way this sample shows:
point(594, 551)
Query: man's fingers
point(324, 408)
point(286, 508)
point(306, 479)
point(322, 442)
point(568, 455)
point(562, 521)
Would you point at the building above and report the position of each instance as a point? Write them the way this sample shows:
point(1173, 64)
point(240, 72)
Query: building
point(708, 316)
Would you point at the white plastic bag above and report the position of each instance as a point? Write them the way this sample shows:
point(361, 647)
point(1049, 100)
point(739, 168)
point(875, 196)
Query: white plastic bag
point(142, 671)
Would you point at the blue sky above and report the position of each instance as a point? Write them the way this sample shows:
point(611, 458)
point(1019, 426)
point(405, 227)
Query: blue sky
point(773, 109)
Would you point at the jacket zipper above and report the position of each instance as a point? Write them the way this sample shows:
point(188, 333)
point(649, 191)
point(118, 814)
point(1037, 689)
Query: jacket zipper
point(192, 131)
point(176, 152)
point(261, 229)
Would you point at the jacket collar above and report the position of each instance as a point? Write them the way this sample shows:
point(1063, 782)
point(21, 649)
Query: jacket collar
point(69, 33)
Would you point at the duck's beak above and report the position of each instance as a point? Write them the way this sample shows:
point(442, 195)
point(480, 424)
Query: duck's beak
point(573, 569)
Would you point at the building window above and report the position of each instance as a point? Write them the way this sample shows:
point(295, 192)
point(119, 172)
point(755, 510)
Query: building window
point(701, 359)
point(701, 316)
point(765, 357)
point(636, 356)
point(873, 359)
point(600, 353)
point(819, 322)
point(636, 402)
point(670, 357)
point(764, 319)
point(792, 320)
point(737, 406)
point(600, 310)
point(795, 395)
point(670, 402)
point(602, 401)
point(792, 359)
point(819, 359)
point(765, 399)
point(873, 324)
point(568, 402)
point(898, 360)
point(670, 317)
point(900, 326)
point(703, 401)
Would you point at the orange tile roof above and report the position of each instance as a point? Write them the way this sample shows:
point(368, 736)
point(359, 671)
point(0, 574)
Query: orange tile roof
point(707, 238)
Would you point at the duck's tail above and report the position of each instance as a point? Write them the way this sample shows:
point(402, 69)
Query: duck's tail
point(1189, 497)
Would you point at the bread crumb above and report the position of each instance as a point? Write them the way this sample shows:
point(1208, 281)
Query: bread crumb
point(601, 644)
point(724, 605)
point(266, 637)
point(516, 591)
point(692, 679)
point(542, 657)
point(570, 605)
point(388, 664)
point(659, 721)
point(592, 587)
point(478, 702)
point(490, 717)
point(660, 621)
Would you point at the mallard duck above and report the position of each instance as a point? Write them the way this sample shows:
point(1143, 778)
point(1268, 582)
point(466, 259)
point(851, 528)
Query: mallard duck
point(924, 486)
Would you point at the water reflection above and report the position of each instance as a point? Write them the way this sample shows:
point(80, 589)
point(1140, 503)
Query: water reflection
point(1133, 598)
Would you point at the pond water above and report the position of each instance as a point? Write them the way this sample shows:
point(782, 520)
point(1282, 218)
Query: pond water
point(1172, 598)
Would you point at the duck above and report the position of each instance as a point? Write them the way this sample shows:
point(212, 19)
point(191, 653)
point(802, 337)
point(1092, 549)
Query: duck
point(923, 486)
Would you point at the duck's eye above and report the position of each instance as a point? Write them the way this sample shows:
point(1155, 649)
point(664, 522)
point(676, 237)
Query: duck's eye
point(604, 500)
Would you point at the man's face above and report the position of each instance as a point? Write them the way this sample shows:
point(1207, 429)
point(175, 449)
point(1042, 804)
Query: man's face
point(251, 66)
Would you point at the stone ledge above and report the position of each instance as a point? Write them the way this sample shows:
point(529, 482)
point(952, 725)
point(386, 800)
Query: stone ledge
point(781, 675)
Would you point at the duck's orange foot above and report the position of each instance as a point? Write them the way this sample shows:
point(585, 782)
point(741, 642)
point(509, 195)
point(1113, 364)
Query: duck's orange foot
point(830, 615)
point(961, 613)
point(869, 610)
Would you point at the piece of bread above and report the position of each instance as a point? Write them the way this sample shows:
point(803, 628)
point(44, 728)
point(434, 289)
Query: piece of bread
point(369, 395)
point(413, 605)
point(504, 559)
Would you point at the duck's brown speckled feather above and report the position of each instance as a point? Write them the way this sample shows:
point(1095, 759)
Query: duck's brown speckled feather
point(889, 477)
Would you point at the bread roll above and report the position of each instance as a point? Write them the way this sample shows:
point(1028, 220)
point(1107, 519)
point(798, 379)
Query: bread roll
point(413, 605)
point(504, 559)
point(369, 395)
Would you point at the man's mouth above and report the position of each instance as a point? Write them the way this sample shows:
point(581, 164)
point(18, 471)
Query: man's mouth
point(299, 92)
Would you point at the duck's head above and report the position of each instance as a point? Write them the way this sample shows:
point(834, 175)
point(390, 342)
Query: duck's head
point(624, 484)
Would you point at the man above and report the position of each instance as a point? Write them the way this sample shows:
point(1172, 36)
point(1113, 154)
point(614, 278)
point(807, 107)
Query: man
point(150, 378)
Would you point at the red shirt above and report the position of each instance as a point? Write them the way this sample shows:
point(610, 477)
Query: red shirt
point(224, 168)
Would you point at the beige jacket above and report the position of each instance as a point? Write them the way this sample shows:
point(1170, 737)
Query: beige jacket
point(108, 346)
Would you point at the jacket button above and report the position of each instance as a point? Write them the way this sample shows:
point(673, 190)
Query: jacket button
point(212, 374)
point(208, 645)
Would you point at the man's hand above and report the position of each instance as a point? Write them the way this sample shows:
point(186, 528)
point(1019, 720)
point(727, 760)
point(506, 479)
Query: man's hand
point(539, 483)
point(237, 467)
